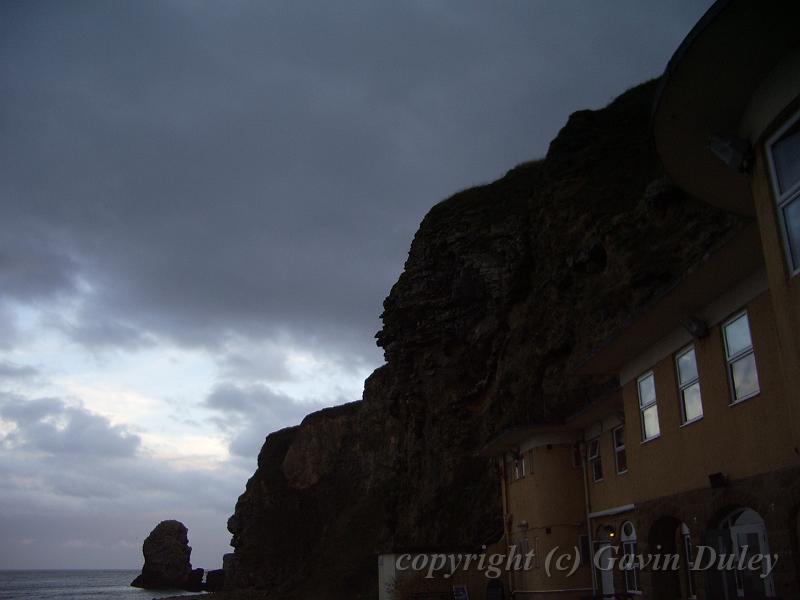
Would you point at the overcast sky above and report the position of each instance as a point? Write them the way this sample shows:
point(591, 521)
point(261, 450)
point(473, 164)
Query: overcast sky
point(202, 207)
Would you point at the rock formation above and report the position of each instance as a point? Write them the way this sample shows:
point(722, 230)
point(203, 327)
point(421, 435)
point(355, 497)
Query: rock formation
point(507, 287)
point(166, 560)
point(215, 580)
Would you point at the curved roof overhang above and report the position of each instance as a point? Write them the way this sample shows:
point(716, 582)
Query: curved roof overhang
point(707, 87)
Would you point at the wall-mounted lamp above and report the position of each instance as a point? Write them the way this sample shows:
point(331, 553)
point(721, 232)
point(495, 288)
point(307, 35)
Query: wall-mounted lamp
point(696, 327)
point(718, 480)
point(735, 152)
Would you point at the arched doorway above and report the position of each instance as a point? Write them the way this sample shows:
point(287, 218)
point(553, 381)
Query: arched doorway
point(740, 535)
point(604, 559)
point(686, 550)
point(663, 541)
point(630, 557)
point(796, 547)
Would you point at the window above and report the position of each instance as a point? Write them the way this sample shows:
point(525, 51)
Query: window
point(745, 533)
point(784, 158)
point(595, 462)
point(577, 459)
point(688, 561)
point(523, 548)
point(630, 560)
point(689, 385)
point(741, 358)
point(518, 467)
point(648, 407)
point(620, 457)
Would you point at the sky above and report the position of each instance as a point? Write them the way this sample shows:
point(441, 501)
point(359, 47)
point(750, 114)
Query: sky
point(203, 205)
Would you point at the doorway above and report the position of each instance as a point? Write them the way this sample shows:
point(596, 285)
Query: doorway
point(741, 535)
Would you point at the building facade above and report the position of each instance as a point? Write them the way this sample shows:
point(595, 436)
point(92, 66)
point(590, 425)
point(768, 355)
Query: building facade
point(697, 454)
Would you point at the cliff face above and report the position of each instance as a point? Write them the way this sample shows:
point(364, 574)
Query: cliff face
point(506, 287)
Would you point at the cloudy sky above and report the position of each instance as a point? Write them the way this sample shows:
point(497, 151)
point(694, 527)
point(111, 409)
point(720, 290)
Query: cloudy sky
point(203, 205)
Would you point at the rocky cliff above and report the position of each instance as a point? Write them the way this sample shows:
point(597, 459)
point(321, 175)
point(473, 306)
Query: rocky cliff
point(506, 288)
point(166, 560)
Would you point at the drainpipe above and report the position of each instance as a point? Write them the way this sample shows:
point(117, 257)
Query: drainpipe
point(588, 504)
point(506, 516)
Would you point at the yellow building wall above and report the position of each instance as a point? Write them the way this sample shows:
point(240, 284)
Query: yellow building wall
point(547, 506)
point(784, 288)
point(751, 437)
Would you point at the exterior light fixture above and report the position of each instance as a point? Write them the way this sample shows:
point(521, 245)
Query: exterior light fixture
point(696, 327)
point(735, 152)
point(718, 480)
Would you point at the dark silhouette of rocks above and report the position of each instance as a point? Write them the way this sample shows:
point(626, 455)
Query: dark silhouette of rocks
point(507, 287)
point(167, 560)
point(215, 580)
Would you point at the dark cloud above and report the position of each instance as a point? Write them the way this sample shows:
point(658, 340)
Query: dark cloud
point(102, 331)
point(33, 266)
point(9, 370)
point(9, 330)
point(245, 178)
point(105, 506)
point(260, 364)
point(252, 411)
point(70, 481)
point(48, 425)
point(260, 171)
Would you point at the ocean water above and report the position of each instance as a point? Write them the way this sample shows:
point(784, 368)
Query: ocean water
point(74, 585)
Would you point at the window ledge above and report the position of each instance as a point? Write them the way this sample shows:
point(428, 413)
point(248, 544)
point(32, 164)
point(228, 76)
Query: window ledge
point(745, 399)
point(695, 420)
point(650, 439)
point(622, 472)
point(597, 480)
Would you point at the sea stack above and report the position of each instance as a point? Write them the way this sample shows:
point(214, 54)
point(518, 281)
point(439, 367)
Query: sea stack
point(166, 560)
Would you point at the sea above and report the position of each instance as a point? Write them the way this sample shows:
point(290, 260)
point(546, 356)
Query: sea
point(75, 585)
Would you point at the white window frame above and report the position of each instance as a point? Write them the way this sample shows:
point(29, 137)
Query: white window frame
point(524, 546)
point(731, 359)
point(518, 465)
point(577, 457)
point(643, 407)
point(688, 561)
point(630, 546)
point(682, 387)
point(783, 200)
point(618, 449)
point(595, 457)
